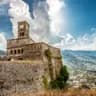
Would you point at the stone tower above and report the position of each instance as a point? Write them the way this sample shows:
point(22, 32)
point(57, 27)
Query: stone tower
point(23, 29)
point(15, 47)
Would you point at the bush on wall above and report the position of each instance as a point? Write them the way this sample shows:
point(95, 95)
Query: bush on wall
point(61, 80)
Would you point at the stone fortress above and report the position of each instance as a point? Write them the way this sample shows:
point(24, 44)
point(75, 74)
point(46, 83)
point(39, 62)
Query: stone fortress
point(28, 62)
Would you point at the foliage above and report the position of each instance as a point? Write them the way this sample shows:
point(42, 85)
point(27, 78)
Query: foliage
point(48, 53)
point(84, 86)
point(45, 82)
point(61, 80)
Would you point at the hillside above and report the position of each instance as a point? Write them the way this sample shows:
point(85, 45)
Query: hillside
point(82, 67)
point(2, 52)
point(80, 60)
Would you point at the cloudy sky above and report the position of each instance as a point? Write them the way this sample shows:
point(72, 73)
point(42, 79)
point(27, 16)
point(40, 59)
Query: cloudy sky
point(67, 24)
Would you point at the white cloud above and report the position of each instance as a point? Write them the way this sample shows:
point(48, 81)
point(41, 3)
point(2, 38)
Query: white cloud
point(2, 41)
point(3, 2)
point(49, 23)
point(18, 11)
point(55, 15)
point(85, 42)
point(40, 24)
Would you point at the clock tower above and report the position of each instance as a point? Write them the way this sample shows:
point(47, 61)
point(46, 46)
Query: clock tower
point(23, 29)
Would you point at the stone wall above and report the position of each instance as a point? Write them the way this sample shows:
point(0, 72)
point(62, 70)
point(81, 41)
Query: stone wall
point(18, 42)
point(21, 77)
point(33, 51)
point(55, 61)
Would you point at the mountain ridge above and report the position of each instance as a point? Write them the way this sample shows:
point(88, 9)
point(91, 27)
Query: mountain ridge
point(83, 60)
point(2, 52)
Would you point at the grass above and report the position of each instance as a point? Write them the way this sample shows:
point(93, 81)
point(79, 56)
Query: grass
point(69, 92)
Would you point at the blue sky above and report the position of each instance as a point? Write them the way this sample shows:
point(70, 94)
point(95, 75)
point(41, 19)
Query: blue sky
point(82, 15)
point(78, 19)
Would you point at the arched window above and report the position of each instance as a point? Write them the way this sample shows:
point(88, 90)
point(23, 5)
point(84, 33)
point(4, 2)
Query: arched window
point(22, 51)
point(18, 51)
point(14, 51)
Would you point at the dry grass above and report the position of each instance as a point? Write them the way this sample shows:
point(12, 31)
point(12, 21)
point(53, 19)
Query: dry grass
point(69, 92)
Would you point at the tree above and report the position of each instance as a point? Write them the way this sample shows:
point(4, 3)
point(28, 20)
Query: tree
point(61, 80)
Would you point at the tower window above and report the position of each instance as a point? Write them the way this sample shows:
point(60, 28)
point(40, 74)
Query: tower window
point(22, 34)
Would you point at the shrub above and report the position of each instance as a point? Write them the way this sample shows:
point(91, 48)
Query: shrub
point(48, 54)
point(61, 80)
point(45, 82)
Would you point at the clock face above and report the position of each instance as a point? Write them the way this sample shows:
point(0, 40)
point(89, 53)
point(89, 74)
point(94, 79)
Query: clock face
point(21, 26)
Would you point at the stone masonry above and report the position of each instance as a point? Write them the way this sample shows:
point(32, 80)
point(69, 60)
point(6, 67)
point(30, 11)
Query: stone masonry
point(22, 77)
